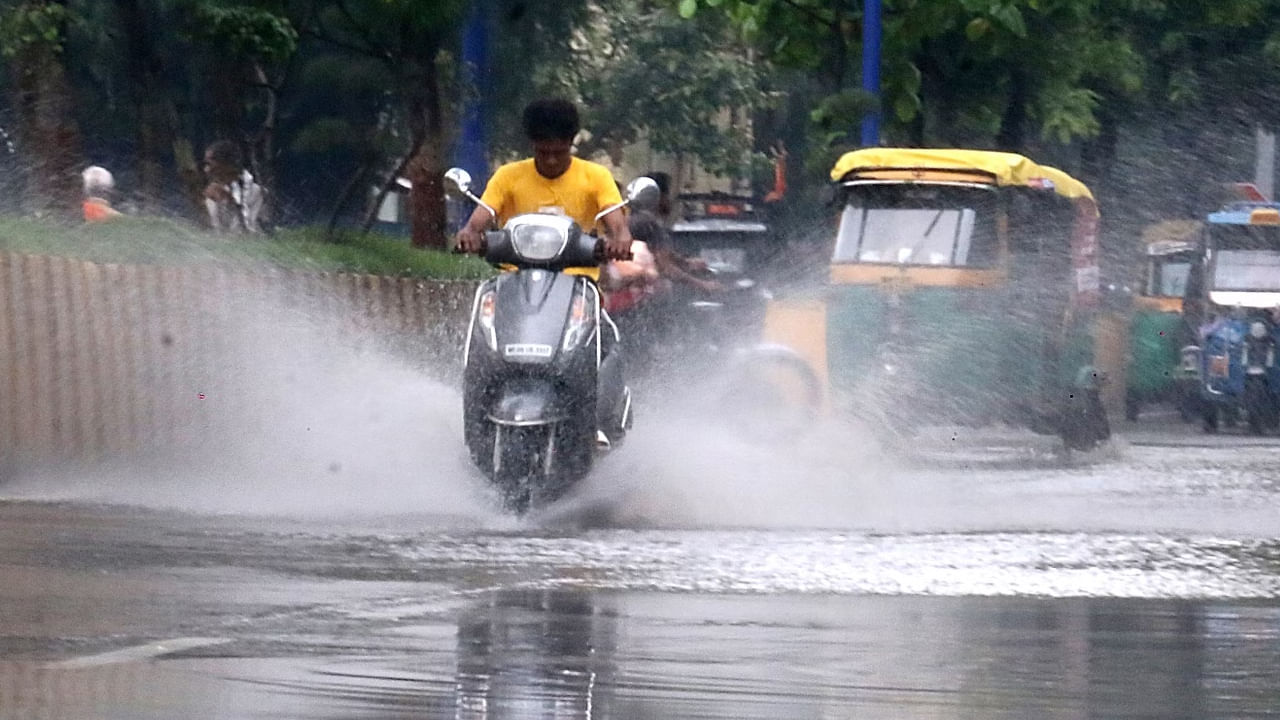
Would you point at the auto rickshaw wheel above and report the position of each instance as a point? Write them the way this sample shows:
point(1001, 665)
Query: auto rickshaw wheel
point(1259, 406)
point(1084, 423)
point(770, 397)
point(1209, 418)
point(1132, 406)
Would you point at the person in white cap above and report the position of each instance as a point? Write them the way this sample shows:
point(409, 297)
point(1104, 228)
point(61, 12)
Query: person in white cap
point(98, 187)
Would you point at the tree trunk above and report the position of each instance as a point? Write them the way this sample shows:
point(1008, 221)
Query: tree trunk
point(371, 212)
point(153, 134)
point(263, 148)
point(158, 124)
point(349, 190)
point(47, 132)
point(1012, 136)
point(1097, 155)
point(427, 212)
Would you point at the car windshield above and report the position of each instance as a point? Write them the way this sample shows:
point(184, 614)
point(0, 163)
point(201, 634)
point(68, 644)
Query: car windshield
point(1168, 277)
point(1247, 258)
point(918, 225)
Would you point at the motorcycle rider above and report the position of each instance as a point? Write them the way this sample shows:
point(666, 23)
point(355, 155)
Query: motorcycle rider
point(553, 181)
point(677, 269)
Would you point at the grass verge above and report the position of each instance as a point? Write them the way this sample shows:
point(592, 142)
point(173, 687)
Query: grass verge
point(158, 241)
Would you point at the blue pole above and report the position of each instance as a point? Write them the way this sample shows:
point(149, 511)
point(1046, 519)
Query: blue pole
point(871, 35)
point(472, 153)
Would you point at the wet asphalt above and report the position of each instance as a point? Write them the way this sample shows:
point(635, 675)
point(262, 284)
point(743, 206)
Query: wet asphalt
point(977, 576)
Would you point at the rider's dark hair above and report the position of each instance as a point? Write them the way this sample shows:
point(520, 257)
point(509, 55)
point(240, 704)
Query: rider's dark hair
point(227, 153)
point(551, 119)
point(662, 180)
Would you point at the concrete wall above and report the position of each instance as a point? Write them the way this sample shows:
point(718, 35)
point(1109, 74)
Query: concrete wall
point(100, 361)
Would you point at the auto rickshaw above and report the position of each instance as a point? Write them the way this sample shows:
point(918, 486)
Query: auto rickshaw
point(1233, 298)
point(963, 289)
point(1157, 331)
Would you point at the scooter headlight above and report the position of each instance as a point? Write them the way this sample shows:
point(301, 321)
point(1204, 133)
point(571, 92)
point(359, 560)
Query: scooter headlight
point(582, 320)
point(484, 318)
point(539, 242)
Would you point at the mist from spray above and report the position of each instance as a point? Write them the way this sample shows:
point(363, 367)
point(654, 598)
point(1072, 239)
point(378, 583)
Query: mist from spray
point(307, 414)
point(302, 414)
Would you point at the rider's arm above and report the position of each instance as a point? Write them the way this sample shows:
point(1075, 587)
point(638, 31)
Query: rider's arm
point(671, 267)
point(617, 243)
point(470, 237)
point(471, 234)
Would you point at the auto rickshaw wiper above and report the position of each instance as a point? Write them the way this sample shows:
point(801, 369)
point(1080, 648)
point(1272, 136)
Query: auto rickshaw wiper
point(934, 222)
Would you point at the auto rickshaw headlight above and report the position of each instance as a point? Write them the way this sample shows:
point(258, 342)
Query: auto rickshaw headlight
point(1258, 329)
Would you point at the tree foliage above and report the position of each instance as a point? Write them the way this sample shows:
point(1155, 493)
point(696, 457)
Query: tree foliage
point(687, 88)
point(330, 97)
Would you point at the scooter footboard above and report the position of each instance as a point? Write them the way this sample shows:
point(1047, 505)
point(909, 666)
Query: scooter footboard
point(611, 391)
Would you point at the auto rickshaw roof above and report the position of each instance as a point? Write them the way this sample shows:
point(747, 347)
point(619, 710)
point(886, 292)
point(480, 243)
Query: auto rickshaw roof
point(1247, 213)
point(1170, 237)
point(1006, 169)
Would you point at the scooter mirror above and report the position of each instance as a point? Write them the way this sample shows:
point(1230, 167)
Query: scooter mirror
point(457, 181)
point(643, 193)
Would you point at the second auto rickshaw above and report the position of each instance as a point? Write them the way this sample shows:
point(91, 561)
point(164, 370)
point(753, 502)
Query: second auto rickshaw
point(1155, 371)
point(1233, 297)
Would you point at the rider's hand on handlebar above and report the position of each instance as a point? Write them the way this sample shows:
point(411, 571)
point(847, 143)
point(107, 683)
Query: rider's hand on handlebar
point(469, 241)
point(615, 249)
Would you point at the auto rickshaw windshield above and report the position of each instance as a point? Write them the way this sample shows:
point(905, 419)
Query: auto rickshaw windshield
point(915, 224)
point(1247, 258)
point(1168, 276)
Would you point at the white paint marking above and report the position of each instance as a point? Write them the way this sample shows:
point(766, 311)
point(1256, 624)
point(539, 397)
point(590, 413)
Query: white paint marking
point(135, 654)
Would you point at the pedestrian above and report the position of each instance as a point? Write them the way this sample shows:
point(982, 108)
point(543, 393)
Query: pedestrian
point(233, 198)
point(99, 185)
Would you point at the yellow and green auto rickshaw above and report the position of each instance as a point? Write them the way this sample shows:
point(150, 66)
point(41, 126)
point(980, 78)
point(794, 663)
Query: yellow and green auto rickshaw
point(963, 289)
point(1157, 333)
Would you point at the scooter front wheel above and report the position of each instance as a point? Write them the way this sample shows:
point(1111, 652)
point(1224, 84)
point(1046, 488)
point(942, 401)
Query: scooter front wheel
point(519, 454)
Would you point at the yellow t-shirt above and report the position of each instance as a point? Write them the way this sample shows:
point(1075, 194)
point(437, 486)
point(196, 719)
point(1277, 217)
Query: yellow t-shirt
point(580, 192)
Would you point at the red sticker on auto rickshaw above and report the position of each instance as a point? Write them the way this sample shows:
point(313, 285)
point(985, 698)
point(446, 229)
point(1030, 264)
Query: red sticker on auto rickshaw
point(1219, 365)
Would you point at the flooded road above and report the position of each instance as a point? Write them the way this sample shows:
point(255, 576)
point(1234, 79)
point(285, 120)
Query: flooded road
point(989, 579)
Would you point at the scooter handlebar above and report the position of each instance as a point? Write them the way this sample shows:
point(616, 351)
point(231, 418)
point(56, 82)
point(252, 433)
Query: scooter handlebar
point(603, 256)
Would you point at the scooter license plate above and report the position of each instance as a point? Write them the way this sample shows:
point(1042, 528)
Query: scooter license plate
point(526, 350)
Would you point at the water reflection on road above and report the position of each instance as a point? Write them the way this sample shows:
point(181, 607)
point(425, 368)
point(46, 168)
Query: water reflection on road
point(571, 654)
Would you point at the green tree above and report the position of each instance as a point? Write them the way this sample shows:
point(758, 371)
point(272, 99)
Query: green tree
point(688, 88)
point(1001, 73)
point(638, 72)
point(415, 43)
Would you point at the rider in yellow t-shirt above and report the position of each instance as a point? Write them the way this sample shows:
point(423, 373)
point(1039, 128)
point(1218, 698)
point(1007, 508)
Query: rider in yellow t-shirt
point(554, 181)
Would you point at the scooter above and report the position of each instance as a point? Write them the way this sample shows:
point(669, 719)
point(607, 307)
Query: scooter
point(543, 385)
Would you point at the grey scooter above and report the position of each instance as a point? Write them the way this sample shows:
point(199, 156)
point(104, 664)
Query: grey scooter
point(543, 385)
